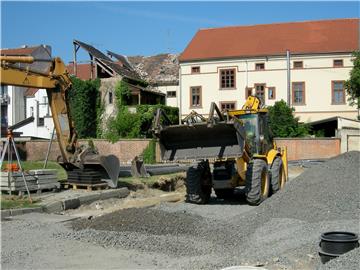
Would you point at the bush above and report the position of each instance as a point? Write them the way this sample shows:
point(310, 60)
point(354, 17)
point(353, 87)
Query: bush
point(352, 85)
point(84, 99)
point(149, 153)
point(137, 124)
point(283, 123)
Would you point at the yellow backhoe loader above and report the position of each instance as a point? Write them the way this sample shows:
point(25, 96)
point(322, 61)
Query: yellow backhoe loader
point(236, 144)
point(82, 163)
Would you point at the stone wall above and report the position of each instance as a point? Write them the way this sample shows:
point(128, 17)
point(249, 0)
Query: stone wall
point(125, 150)
point(310, 148)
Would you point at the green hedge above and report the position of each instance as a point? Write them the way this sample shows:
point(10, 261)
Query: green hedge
point(137, 124)
point(283, 123)
point(84, 99)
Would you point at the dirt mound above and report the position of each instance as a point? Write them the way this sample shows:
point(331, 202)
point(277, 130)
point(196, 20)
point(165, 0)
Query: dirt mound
point(144, 220)
point(283, 232)
point(326, 191)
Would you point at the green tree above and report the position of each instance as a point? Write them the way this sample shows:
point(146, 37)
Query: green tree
point(283, 123)
point(122, 93)
point(137, 124)
point(84, 99)
point(352, 85)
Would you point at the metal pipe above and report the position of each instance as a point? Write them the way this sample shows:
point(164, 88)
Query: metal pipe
point(49, 147)
point(288, 78)
point(17, 59)
point(21, 169)
point(180, 96)
point(75, 50)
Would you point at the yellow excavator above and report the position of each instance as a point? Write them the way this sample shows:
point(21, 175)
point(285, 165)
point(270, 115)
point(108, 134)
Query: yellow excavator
point(232, 149)
point(82, 163)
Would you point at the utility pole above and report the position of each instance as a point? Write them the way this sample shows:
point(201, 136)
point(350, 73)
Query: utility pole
point(288, 78)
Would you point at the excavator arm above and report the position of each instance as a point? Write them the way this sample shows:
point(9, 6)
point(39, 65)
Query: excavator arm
point(57, 83)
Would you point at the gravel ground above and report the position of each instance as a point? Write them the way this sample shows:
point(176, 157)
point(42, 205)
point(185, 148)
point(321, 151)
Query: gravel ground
point(282, 233)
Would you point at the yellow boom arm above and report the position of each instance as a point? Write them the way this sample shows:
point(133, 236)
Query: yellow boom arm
point(57, 83)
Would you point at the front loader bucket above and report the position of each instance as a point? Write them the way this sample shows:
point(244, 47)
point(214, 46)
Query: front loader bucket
point(94, 169)
point(202, 141)
point(108, 166)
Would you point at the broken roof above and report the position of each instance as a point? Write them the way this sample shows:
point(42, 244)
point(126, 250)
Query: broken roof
point(23, 51)
point(42, 52)
point(122, 60)
point(106, 62)
point(161, 69)
point(341, 35)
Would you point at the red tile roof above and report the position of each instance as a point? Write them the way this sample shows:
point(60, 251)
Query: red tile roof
point(18, 51)
point(83, 71)
point(325, 36)
point(29, 92)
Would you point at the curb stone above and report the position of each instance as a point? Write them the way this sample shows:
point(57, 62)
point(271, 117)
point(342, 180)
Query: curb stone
point(119, 193)
point(20, 211)
point(59, 206)
point(86, 199)
point(5, 213)
point(71, 204)
point(53, 207)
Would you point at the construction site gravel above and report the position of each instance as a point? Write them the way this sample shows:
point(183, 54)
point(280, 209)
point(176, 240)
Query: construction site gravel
point(282, 233)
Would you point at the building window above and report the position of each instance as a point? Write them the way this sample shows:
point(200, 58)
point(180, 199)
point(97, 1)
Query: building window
point(298, 93)
point(338, 92)
point(195, 96)
point(298, 64)
point(41, 122)
point(227, 105)
point(260, 66)
point(260, 92)
point(271, 93)
point(171, 94)
point(195, 70)
point(111, 98)
point(45, 100)
point(338, 63)
point(31, 111)
point(248, 92)
point(227, 78)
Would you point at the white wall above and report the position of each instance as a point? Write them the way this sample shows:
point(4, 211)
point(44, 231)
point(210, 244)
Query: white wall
point(317, 73)
point(16, 106)
point(38, 104)
point(170, 101)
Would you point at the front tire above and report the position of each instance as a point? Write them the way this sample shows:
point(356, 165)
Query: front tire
point(257, 182)
point(198, 183)
point(277, 175)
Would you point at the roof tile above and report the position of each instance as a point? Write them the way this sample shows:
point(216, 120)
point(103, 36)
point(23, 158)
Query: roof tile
point(341, 35)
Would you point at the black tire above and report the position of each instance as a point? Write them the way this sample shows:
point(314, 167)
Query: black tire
point(198, 183)
point(277, 175)
point(226, 194)
point(257, 182)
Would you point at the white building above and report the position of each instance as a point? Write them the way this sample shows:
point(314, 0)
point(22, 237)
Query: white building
point(22, 103)
point(225, 65)
point(19, 103)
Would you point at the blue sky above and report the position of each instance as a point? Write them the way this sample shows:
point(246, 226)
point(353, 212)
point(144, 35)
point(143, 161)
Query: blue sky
point(144, 28)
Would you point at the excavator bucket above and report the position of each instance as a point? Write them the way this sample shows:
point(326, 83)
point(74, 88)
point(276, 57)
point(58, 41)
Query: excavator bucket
point(92, 168)
point(202, 140)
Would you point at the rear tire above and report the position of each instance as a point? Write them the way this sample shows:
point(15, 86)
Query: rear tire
point(277, 175)
point(257, 182)
point(198, 183)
